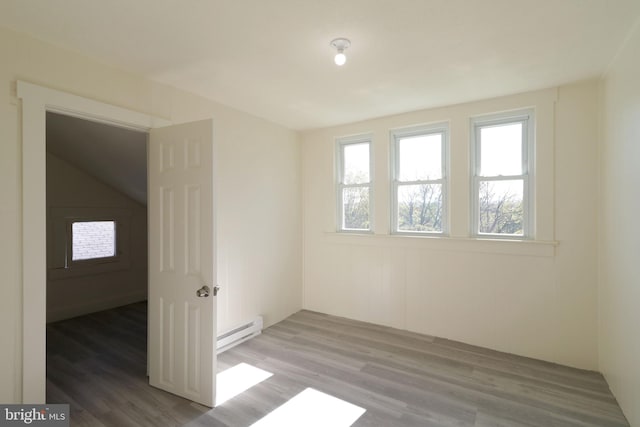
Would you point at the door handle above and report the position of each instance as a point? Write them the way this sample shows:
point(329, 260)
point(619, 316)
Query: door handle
point(203, 292)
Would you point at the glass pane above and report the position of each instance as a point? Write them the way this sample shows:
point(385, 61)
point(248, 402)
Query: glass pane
point(420, 207)
point(93, 239)
point(501, 207)
point(501, 150)
point(356, 163)
point(355, 208)
point(420, 158)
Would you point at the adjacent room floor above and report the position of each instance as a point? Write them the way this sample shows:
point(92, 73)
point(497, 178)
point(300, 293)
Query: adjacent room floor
point(97, 363)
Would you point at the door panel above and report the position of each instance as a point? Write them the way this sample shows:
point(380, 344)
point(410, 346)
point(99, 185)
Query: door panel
point(182, 321)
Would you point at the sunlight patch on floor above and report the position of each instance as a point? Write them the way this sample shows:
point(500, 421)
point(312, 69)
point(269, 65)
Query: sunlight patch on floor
point(237, 379)
point(312, 408)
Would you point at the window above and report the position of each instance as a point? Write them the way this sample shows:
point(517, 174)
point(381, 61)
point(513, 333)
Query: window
point(502, 173)
point(93, 240)
point(419, 179)
point(354, 185)
point(84, 241)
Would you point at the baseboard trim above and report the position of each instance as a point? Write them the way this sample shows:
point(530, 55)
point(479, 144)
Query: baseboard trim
point(86, 307)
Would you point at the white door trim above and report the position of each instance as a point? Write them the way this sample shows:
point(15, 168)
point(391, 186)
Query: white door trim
point(36, 102)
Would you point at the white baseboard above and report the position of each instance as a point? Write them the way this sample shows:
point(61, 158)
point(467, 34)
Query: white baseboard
point(86, 307)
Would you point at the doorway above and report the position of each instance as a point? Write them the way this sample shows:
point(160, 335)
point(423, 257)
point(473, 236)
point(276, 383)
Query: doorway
point(96, 216)
point(96, 251)
point(181, 181)
point(36, 102)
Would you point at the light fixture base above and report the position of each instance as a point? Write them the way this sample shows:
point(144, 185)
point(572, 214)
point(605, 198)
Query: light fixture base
point(340, 44)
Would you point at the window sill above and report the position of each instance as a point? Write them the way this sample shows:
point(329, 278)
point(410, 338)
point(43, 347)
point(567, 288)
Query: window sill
point(354, 232)
point(89, 268)
point(520, 247)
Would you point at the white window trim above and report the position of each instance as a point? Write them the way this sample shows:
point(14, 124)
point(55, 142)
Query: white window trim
point(395, 136)
point(340, 144)
point(527, 117)
point(60, 264)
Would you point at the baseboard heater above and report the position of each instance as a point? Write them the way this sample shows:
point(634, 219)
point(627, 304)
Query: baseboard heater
point(239, 335)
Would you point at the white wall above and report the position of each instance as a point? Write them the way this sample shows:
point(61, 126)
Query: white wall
point(528, 298)
point(259, 219)
point(100, 286)
point(619, 246)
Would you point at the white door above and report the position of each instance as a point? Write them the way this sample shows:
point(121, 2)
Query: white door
point(182, 270)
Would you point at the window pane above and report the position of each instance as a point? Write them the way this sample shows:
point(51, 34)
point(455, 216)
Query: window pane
point(420, 207)
point(356, 163)
point(93, 239)
point(355, 208)
point(501, 150)
point(420, 158)
point(501, 207)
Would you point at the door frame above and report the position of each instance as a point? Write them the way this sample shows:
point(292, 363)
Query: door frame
point(36, 102)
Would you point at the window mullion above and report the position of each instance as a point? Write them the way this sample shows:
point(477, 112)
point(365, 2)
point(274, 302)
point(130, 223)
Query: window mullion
point(343, 186)
point(501, 178)
point(421, 182)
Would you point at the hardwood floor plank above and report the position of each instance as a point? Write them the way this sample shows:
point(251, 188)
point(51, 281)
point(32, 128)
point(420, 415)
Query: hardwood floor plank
point(97, 364)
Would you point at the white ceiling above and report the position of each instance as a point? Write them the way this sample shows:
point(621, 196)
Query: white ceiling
point(272, 58)
point(113, 155)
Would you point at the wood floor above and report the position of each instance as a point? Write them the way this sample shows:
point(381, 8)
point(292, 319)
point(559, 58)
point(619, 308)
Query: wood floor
point(97, 363)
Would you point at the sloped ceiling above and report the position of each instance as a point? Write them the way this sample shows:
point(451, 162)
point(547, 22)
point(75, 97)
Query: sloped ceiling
point(115, 156)
point(272, 58)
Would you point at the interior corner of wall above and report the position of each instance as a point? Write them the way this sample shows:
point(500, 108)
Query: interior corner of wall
point(17, 364)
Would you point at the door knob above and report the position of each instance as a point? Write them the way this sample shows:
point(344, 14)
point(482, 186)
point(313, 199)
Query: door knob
point(203, 292)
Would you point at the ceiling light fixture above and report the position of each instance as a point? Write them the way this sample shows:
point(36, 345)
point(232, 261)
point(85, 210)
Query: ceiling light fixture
point(340, 44)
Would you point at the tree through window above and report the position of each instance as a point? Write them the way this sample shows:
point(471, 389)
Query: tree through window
point(502, 174)
point(419, 179)
point(354, 184)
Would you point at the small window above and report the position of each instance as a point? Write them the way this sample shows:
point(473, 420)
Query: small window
point(502, 175)
point(83, 241)
point(354, 186)
point(93, 240)
point(419, 180)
